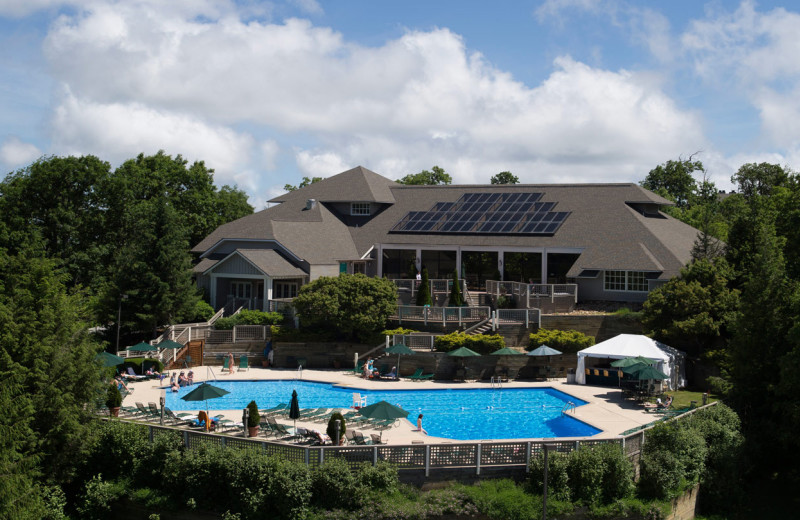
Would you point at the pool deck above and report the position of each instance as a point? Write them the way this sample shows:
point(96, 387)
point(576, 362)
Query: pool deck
point(606, 408)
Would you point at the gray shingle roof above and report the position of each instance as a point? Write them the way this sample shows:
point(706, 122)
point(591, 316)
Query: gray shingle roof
point(602, 224)
point(272, 263)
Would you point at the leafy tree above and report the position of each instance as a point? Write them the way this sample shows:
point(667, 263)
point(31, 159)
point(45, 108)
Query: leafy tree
point(696, 310)
point(707, 245)
point(424, 289)
point(305, 182)
point(433, 177)
point(355, 306)
point(48, 378)
point(674, 180)
point(568, 341)
point(456, 296)
point(505, 178)
point(760, 179)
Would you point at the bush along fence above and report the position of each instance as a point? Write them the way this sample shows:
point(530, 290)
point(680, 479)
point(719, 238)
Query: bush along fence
point(471, 457)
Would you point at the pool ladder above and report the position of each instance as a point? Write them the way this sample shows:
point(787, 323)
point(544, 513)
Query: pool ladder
point(496, 382)
point(211, 370)
point(569, 405)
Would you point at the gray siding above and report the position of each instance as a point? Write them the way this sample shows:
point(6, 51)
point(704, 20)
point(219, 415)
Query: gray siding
point(236, 265)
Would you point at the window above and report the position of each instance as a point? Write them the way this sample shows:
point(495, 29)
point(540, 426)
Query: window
point(615, 281)
point(635, 281)
point(241, 289)
point(284, 290)
point(360, 208)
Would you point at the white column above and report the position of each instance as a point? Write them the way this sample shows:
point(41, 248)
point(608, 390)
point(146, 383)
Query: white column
point(265, 302)
point(458, 262)
point(544, 266)
point(268, 288)
point(418, 259)
point(500, 265)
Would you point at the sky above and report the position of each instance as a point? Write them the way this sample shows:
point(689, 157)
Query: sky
point(554, 91)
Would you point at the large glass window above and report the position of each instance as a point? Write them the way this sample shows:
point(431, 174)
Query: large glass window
point(284, 290)
point(522, 267)
point(440, 264)
point(399, 263)
point(635, 281)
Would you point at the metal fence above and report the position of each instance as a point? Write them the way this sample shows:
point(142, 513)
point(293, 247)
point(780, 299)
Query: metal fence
point(436, 285)
point(530, 294)
point(444, 315)
point(238, 333)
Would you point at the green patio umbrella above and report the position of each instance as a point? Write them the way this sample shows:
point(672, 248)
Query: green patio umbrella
point(168, 343)
point(506, 351)
point(649, 372)
point(399, 349)
point(294, 409)
point(142, 347)
point(544, 350)
point(634, 368)
point(383, 411)
point(630, 361)
point(462, 352)
point(204, 392)
point(109, 360)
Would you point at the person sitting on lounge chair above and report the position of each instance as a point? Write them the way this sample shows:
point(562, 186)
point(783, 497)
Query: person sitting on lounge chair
point(120, 384)
point(393, 373)
point(153, 372)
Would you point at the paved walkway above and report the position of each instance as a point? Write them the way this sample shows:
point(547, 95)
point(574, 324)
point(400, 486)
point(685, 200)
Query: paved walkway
point(606, 409)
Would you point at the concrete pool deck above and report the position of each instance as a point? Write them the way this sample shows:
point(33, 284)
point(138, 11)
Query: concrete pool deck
point(606, 408)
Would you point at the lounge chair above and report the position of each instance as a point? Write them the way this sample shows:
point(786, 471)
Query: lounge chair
point(243, 365)
point(358, 370)
point(360, 439)
point(154, 409)
point(359, 401)
point(144, 413)
point(275, 410)
point(419, 376)
point(350, 436)
point(225, 364)
point(283, 432)
point(383, 424)
point(376, 439)
point(134, 375)
point(182, 418)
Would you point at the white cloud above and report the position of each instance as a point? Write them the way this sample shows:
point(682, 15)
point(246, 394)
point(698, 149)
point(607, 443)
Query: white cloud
point(15, 153)
point(118, 131)
point(309, 6)
point(139, 81)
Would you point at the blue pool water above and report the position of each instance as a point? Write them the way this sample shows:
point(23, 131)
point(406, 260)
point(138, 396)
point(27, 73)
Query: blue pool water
point(461, 414)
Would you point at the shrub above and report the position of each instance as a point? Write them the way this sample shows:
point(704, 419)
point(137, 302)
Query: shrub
point(399, 331)
point(113, 450)
point(424, 290)
point(659, 475)
point(687, 445)
point(225, 323)
point(334, 486)
point(567, 341)
point(98, 498)
point(506, 302)
point(113, 397)
point(381, 477)
point(585, 470)
point(246, 317)
point(480, 343)
point(253, 417)
point(557, 477)
point(202, 312)
point(456, 297)
point(503, 499)
point(331, 431)
point(617, 472)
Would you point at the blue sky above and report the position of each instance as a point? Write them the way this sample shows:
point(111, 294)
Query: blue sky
point(267, 92)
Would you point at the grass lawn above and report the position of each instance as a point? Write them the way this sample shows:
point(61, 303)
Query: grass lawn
point(684, 398)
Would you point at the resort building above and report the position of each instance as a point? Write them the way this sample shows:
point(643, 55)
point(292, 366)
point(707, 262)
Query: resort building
point(609, 241)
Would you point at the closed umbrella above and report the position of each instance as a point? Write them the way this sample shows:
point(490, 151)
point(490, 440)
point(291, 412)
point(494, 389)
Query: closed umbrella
point(399, 349)
point(109, 360)
point(294, 409)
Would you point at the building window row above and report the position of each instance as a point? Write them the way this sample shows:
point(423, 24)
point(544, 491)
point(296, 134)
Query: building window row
point(635, 281)
point(360, 208)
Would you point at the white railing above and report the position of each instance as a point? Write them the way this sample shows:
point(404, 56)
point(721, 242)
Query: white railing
point(436, 286)
point(528, 294)
point(238, 333)
point(525, 317)
point(421, 342)
point(442, 315)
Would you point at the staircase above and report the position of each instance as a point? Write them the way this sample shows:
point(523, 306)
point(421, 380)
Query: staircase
point(194, 351)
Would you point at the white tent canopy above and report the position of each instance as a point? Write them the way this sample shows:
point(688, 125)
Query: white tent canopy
point(669, 360)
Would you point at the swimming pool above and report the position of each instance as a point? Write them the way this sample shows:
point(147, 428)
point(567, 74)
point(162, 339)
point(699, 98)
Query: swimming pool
point(460, 414)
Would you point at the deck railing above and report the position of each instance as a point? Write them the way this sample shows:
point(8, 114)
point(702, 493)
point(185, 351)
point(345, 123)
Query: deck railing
point(442, 315)
point(529, 294)
point(436, 285)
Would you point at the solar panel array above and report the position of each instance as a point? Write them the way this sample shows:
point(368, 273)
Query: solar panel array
point(486, 213)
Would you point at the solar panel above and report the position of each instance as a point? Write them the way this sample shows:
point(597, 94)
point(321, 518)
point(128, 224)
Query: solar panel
point(486, 213)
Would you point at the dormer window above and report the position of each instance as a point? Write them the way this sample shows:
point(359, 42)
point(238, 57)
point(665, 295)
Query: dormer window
point(360, 209)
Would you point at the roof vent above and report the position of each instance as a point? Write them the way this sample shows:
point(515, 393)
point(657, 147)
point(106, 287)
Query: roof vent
point(310, 203)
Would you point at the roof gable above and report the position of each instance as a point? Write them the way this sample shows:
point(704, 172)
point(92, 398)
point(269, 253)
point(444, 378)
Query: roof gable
point(356, 185)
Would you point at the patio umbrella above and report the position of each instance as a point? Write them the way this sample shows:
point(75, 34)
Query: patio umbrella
point(168, 343)
point(142, 347)
point(204, 392)
point(294, 409)
point(462, 352)
point(647, 372)
point(399, 349)
point(506, 351)
point(383, 411)
point(630, 361)
point(109, 360)
point(633, 369)
point(544, 350)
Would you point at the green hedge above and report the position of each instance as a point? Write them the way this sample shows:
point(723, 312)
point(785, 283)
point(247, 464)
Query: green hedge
point(567, 341)
point(480, 343)
point(249, 318)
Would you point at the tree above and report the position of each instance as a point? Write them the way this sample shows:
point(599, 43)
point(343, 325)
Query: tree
point(456, 297)
point(505, 178)
point(305, 182)
point(355, 306)
point(696, 310)
point(674, 180)
point(424, 290)
point(707, 245)
point(430, 178)
point(760, 179)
